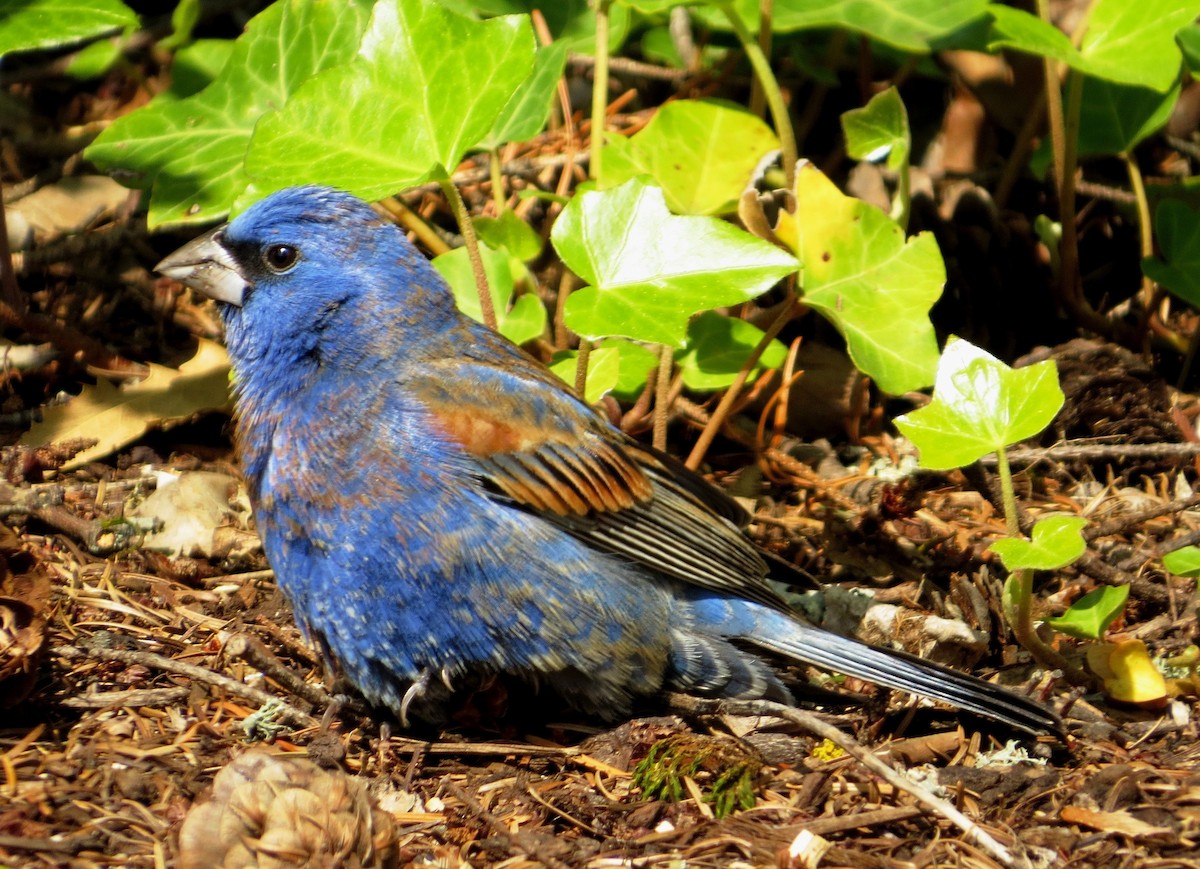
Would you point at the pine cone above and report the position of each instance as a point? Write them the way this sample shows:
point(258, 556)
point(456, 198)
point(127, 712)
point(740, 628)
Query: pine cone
point(273, 811)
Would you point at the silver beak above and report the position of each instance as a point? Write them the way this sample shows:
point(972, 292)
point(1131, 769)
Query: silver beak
point(205, 265)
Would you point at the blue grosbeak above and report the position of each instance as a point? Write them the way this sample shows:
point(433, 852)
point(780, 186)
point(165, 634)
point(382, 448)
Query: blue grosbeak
point(435, 503)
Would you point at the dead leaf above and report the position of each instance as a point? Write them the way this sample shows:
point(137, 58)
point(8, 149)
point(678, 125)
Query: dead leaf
point(1121, 823)
point(69, 206)
point(119, 415)
point(190, 508)
point(1128, 672)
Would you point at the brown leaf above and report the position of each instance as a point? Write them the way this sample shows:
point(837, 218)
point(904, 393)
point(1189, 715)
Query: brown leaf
point(119, 415)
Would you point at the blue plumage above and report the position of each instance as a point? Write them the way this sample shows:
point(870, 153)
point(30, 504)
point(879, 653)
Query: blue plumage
point(435, 503)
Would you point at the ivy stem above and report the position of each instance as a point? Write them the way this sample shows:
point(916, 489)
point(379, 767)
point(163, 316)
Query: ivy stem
point(766, 13)
point(599, 90)
point(770, 85)
point(497, 173)
point(1018, 588)
point(1007, 493)
point(727, 400)
point(581, 366)
point(1145, 224)
point(902, 207)
point(662, 396)
point(471, 242)
point(1069, 254)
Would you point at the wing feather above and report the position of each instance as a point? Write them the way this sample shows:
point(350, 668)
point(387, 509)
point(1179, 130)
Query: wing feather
point(558, 458)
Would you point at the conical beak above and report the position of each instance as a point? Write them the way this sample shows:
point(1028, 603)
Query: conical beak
point(206, 265)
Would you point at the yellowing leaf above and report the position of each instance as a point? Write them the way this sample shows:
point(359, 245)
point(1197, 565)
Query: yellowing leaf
point(872, 283)
point(119, 415)
point(1128, 673)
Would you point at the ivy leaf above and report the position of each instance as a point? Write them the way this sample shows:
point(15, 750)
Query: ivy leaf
point(1177, 228)
point(96, 59)
point(194, 68)
point(1184, 561)
point(717, 348)
point(571, 22)
point(426, 87)
point(510, 232)
point(701, 153)
point(979, 406)
point(1090, 616)
point(190, 153)
point(647, 271)
point(524, 321)
point(635, 364)
point(873, 284)
point(30, 24)
point(1114, 118)
point(604, 368)
point(1056, 543)
point(909, 25)
point(1125, 42)
point(526, 112)
point(878, 129)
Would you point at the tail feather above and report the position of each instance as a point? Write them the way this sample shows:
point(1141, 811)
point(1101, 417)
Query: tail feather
point(784, 635)
point(906, 672)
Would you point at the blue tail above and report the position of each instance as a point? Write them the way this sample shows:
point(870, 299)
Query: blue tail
point(718, 619)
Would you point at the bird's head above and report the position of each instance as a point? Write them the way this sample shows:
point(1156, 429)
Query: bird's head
point(312, 275)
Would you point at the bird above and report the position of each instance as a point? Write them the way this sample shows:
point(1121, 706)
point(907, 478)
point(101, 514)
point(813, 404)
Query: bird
point(437, 505)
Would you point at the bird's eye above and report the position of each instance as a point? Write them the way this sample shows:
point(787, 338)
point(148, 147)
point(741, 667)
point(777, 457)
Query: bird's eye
point(280, 257)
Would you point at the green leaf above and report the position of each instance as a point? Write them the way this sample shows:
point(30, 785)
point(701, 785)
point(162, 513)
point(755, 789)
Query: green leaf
point(648, 270)
point(30, 24)
point(701, 153)
point(183, 22)
point(95, 60)
point(196, 67)
point(717, 348)
point(636, 365)
point(979, 406)
point(526, 319)
point(1184, 561)
point(873, 284)
point(526, 113)
point(571, 22)
point(1126, 42)
point(1056, 542)
point(604, 364)
point(1177, 228)
point(1114, 118)
point(1090, 616)
point(190, 152)
point(877, 129)
point(426, 88)
point(510, 232)
point(1189, 43)
point(909, 25)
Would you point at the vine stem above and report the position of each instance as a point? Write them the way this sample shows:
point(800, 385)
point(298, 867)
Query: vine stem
point(662, 396)
point(726, 404)
point(766, 13)
point(471, 241)
point(496, 171)
point(770, 85)
point(581, 366)
point(599, 90)
point(1145, 223)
